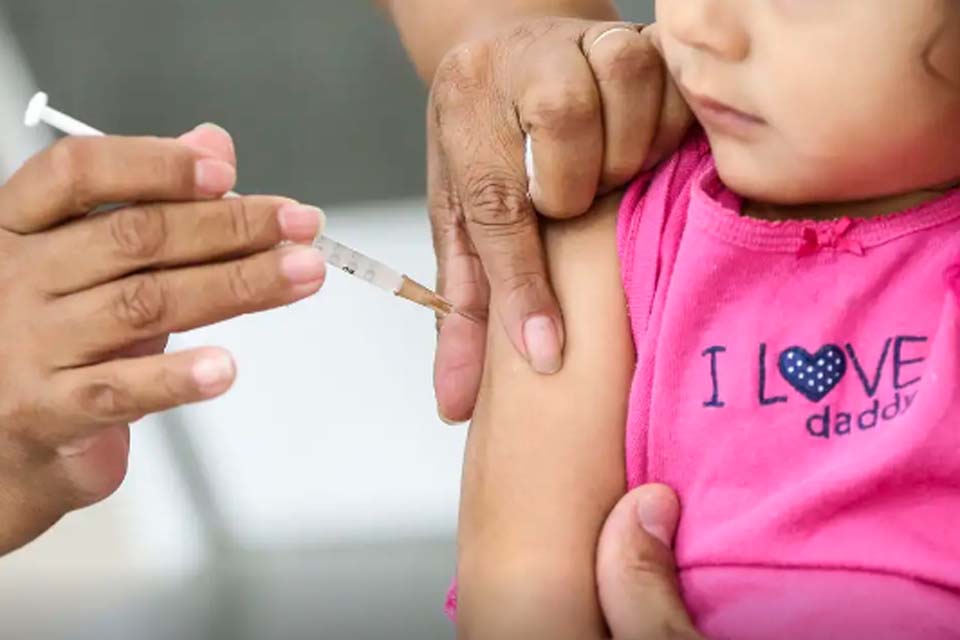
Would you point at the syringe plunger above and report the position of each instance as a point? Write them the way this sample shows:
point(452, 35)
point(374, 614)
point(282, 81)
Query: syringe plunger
point(338, 255)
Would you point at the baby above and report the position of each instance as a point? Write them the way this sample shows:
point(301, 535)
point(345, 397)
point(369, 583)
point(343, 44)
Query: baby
point(773, 314)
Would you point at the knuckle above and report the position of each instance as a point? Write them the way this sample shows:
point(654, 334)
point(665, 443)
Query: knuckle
point(443, 206)
point(519, 280)
point(242, 223)
point(463, 70)
point(142, 303)
point(69, 159)
point(620, 170)
point(139, 232)
point(241, 284)
point(562, 108)
point(171, 386)
point(497, 201)
point(655, 567)
point(105, 399)
point(624, 58)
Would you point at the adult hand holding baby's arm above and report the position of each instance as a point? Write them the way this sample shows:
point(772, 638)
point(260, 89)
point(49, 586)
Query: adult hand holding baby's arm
point(89, 300)
point(593, 95)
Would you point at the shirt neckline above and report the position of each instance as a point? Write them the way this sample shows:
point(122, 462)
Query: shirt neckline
point(717, 210)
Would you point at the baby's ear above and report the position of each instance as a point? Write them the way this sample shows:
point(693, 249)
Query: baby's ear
point(942, 57)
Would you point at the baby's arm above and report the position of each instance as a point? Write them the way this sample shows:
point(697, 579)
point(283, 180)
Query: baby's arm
point(544, 462)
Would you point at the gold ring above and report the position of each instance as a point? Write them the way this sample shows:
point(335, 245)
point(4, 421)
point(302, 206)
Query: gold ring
point(606, 33)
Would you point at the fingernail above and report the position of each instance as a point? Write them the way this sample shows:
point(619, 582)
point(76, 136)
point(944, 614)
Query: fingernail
point(301, 222)
point(543, 344)
point(77, 447)
point(199, 139)
point(210, 126)
point(214, 177)
point(212, 372)
point(447, 421)
point(656, 518)
point(302, 265)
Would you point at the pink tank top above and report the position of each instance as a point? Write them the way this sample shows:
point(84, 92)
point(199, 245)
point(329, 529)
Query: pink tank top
point(796, 383)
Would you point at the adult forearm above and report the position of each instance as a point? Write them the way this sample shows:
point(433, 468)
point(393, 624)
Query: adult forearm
point(430, 28)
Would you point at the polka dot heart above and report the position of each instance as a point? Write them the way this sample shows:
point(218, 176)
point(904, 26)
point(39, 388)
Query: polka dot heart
point(813, 375)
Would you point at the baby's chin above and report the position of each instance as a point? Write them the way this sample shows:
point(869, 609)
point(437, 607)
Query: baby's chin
point(766, 186)
point(787, 180)
point(782, 183)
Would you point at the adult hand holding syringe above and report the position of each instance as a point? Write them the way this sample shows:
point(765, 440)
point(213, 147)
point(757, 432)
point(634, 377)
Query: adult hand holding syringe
point(340, 256)
point(89, 300)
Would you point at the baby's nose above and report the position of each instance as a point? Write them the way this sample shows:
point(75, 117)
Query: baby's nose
point(713, 26)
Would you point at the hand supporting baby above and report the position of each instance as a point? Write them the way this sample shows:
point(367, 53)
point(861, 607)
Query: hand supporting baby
point(636, 573)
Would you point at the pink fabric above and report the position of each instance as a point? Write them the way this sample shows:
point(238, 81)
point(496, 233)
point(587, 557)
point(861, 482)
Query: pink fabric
point(796, 383)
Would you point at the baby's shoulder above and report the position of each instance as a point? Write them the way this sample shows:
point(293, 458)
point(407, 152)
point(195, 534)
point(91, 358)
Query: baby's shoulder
point(656, 201)
point(667, 181)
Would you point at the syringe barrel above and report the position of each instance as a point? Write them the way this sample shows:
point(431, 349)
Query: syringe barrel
point(340, 256)
point(358, 265)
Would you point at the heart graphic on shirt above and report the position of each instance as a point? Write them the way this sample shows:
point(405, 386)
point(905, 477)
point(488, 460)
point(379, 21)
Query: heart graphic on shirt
point(813, 375)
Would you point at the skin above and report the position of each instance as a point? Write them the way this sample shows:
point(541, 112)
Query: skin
point(90, 299)
point(429, 41)
point(544, 462)
point(540, 471)
point(597, 110)
point(843, 89)
point(636, 575)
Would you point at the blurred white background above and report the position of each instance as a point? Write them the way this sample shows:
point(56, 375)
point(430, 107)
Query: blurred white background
point(318, 499)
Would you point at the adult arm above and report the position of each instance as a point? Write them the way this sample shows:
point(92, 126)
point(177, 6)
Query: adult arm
point(431, 28)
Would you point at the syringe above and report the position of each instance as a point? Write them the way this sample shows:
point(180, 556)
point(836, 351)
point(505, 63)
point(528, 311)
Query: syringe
point(338, 255)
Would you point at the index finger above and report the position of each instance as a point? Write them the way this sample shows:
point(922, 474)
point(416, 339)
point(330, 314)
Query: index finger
point(77, 174)
point(484, 152)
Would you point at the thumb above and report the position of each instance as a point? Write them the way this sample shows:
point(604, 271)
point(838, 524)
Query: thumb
point(636, 572)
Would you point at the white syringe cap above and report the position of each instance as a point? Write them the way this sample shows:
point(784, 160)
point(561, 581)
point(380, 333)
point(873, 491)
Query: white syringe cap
point(35, 109)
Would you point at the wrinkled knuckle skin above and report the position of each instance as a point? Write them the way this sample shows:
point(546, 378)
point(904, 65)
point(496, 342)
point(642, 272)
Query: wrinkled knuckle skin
point(497, 201)
point(520, 281)
point(625, 58)
point(462, 72)
point(142, 303)
point(241, 285)
point(139, 233)
point(243, 226)
point(105, 400)
point(69, 160)
point(560, 110)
